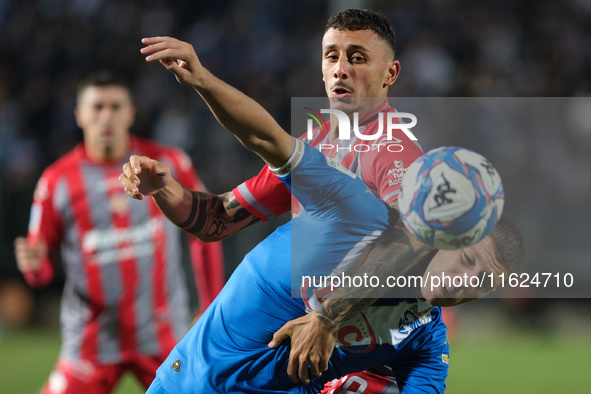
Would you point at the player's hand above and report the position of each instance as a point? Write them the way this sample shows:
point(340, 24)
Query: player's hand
point(29, 257)
point(143, 176)
point(312, 344)
point(176, 56)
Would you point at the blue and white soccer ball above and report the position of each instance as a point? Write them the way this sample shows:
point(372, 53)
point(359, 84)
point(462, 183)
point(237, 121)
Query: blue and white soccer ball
point(451, 197)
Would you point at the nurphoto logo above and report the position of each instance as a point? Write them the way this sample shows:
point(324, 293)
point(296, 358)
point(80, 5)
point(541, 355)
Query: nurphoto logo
point(383, 133)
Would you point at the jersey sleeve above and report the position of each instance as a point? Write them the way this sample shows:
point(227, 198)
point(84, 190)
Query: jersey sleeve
point(383, 168)
point(44, 226)
point(365, 382)
point(264, 195)
point(206, 257)
point(327, 190)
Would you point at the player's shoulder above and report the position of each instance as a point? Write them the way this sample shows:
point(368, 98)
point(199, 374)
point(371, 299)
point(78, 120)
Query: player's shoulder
point(65, 163)
point(313, 158)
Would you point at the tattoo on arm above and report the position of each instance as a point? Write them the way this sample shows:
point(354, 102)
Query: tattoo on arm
point(214, 217)
point(396, 253)
point(335, 311)
point(239, 213)
point(202, 210)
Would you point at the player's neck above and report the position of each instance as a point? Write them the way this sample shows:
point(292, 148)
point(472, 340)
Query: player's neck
point(363, 115)
point(108, 152)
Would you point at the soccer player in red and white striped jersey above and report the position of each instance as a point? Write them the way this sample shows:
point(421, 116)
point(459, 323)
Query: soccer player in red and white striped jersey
point(125, 303)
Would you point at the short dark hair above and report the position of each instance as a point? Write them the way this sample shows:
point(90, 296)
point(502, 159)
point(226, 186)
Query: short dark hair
point(508, 243)
point(355, 19)
point(104, 78)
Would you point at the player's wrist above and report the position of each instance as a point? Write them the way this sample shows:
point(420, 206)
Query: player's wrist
point(327, 323)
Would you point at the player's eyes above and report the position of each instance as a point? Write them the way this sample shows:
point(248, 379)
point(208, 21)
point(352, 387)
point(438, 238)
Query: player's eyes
point(468, 260)
point(358, 59)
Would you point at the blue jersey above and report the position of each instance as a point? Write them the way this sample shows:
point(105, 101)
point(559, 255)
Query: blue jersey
point(226, 350)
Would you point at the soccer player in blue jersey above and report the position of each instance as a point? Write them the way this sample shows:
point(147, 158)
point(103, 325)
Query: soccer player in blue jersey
point(226, 351)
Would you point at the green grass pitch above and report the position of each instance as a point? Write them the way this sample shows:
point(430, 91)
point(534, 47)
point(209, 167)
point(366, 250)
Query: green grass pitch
point(508, 363)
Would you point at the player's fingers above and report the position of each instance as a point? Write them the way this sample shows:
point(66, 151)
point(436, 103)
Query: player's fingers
point(154, 39)
point(323, 364)
point(155, 44)
point(22, 245)
point(304, 363)
point(130, 188)
point(136, 162)
point(315, 365)
point(292, 368)
point(128, 178)
point(19, 242)
point(28, 256)
point(21, 250)
point(281, 335)
point(182, 53)
point(180, 72)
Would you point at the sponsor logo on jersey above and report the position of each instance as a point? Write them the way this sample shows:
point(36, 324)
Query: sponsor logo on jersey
point(358, 333)
point(107, 246)
point(119, 203)
point(397, 172)
point(410, 321)
point(111, 183)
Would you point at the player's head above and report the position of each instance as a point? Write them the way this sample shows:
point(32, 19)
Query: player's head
point(456, 276)
point(105, 112)
point(358, 49)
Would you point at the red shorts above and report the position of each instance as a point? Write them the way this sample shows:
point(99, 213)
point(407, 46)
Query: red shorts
point(81, 376)
point(362, 382)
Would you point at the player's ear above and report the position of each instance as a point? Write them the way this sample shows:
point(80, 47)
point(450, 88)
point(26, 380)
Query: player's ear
point(392, 72)
point(77, 116)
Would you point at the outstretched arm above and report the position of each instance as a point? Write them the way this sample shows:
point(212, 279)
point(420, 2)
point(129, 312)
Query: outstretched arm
point(208, 216)
point(245, 118)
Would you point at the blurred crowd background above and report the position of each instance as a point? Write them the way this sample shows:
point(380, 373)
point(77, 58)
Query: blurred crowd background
point(271, 50)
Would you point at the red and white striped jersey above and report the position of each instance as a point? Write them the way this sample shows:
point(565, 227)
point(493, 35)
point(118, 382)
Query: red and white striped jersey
point(125, 290)
point(381, 163)
point(362, 383)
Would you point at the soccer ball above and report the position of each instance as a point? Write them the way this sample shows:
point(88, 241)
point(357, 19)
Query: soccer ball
point(451, 197)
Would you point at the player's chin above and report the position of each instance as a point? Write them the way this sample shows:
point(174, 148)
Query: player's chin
point(444, 302)
point(428, 295)
point(436, 297)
